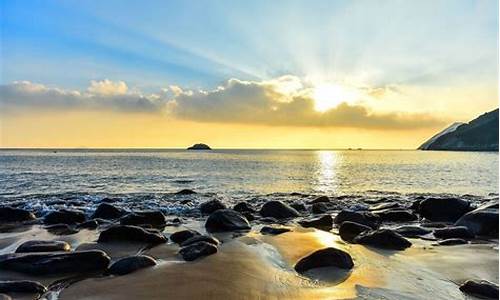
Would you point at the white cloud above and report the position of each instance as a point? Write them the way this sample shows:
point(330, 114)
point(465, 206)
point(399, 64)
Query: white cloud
point(107, 87)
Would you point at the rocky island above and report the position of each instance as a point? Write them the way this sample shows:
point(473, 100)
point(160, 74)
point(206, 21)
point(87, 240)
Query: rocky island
point(199, 146)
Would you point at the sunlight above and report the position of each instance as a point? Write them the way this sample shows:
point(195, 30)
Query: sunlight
point(328, 96)
point(328, 162)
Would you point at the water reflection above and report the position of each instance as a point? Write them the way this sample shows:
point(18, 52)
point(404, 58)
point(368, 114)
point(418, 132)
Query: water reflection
point(327, 179)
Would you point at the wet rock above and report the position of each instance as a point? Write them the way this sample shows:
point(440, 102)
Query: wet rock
point(131, 264)
point(90, 224)
point(383, 206)
point(349, 230)
point(482, 221)
point(153, 218)
point(55, 263)
point(43, 246)
point(11, 214)
point(328, 257)
point(61, 229)
point(298, 206)
point(481, 288)
point(22, 286)
point(248, 215)
point(129, 233)
point(108, 212)
point(273, 230)
point(320, 208)
point(320, 199)
point(244, 207)
point(443, 209)
point(64, 216)
point(364, 218)
point(451, 242)
point(434, 224)
point(412, 231)
point(324, 223)
point(383, 238)
point(186, 192)
point(200, 238)
point(209, 207)
point(395, 215)
point(453, 232)
point(278, 210)
point(180, 236)
point(226, 220)
point(197, 250)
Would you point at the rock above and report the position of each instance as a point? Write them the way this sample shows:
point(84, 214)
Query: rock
point(383, 206)
point(443, 209)
point(61, 229)
point(180, 236)
point(153, 218)
point(199, 146)
point(451, 242)
point(200, 238)
point(226, 220)
point(22, 286)
point(128, 233)
point(320, 199)
point(363, 218)
point(197, 250)
point(43, 246)
point(481, 288)
point(11, 214)
point(273, 230)
point(327, 257)
point(298, 206)
point(320, 208)
point(395, 215)
point(324, 223)
point(211, 206)
point(482, 221)
point(278, 210)
point(108, 212)
point(186, 192)
point(131, 264)
point(383, 238)
point(248, 215)
point(453, 232)
point(90, 224)
point(55, 263)
point(5, 297)
point(412, 231)
point(434, 224)
point(243, 207)
point(64, 216)
point(349, 230)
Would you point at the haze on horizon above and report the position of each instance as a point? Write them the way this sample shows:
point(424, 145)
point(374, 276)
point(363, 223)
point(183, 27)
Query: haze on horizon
point(234, 74)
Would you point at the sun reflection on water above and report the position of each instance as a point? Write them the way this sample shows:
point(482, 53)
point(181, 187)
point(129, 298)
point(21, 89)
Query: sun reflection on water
point(326, 175)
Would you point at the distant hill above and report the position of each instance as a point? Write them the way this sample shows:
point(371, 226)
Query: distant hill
point(480, 134)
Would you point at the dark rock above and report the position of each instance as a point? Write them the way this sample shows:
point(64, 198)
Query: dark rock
point(434, 224)
point(128, 233)
point(482, 221)
point(298, 206)
point(55, 263)
point(186, 192)
point(199, 146)
point(108, 212)
point(64, 216)
point(451, 242)
point(278, 210)
point(453, 232)
point(10, 214)
point(383, 206)
point(153, 218)
point(481, 288)
point(412, 231)
point(90, 224)
point(61, 229)
point(248, 215)
point(273, 230)
point(364, 218)
point(328, 257)
point(131, 264)
point(211, 206)
point(324, 223)
point(395, 215)
point(226, 220)
point(43, 246)
point(197, 250)
point(383, 238)
point(243, 207)
point(443, 209)
point(349, 230)
point(200, 238)
point(22, 286)
point(320, 199)
point(180, 236)
point(320, 208)
point(269, 220)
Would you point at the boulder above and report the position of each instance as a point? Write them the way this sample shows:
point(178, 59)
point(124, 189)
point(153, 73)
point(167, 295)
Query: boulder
point(61, 229)
point(383, 238)
point(197, 250)
point(199, 146)
point(349, 230)
point(90, 224)
point(320, 199)
point(11, 214)
point(200, 238)
point(482, 221)
point(180, 236)
point(412, 231)
point(320, 208)
point(243, 207)
point(273, 230)
point(364, 218)
point(298, 206)
point(131, 264)
point(324, 223)
point(443, 209)
point(481, 288)
point(108, 212)
point(327, 257)
point(451, 242)
point(186, 192)
point(55, 263)
point(22, 286)
point(128, 233)
point(226, 220)
point(153, 218)
point(209, 207)
point(278, 210)
point(395, 215)
point(43, 246)
point(64, 216)
point(453, 232)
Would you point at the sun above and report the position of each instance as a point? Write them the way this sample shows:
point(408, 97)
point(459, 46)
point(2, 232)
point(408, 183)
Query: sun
point(328, 96)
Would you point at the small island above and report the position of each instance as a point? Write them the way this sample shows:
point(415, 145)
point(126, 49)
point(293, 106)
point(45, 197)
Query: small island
point(199, 146)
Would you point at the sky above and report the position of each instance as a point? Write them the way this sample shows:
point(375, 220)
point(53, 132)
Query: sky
point(243, 74)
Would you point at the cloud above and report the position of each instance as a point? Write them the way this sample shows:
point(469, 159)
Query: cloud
point(283, 101)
